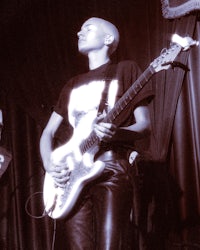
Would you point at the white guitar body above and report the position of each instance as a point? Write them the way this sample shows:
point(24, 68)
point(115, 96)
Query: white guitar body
point(59, 201)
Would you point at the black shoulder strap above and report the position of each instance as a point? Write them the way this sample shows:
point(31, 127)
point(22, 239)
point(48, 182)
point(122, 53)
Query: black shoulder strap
point(110, 73)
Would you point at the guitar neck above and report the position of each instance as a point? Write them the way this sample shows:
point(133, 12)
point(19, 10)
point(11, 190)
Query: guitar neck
point(129, 95)
point(120, 105)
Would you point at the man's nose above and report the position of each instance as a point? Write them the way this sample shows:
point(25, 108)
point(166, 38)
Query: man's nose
point(79, 34)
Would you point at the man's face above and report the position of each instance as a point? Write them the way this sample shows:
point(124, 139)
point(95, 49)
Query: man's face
point(91, 37)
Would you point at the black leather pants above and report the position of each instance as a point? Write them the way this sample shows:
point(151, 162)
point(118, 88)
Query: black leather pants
point(101, 220)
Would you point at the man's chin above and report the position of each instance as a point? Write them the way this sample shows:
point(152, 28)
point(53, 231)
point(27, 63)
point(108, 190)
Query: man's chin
point(83, 52)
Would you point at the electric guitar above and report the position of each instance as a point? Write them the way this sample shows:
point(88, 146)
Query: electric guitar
point(59, 201)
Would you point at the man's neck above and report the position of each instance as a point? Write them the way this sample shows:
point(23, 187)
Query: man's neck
point(97, 59)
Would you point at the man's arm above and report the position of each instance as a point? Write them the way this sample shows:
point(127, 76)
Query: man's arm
point(110, 133)
point(47, 139)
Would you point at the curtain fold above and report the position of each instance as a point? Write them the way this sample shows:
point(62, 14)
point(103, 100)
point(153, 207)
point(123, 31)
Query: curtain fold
point(168, 86)
point(173, 175)
point(185, 163)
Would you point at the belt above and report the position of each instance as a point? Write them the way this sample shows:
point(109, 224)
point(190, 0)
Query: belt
point(110, 155)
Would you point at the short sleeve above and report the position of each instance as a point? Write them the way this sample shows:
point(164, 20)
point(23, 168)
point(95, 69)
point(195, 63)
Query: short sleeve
point(62, 104)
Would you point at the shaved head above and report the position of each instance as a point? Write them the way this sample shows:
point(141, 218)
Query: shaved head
point(109, 29)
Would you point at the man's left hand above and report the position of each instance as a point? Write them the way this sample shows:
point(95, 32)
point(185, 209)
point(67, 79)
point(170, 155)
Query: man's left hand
point(105, 131)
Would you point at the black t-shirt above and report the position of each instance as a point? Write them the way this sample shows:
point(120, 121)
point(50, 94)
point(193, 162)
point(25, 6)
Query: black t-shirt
point(127, 72)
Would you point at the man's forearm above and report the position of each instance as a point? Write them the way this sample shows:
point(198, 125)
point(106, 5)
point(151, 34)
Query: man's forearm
point(125, 135)
point(45, 150)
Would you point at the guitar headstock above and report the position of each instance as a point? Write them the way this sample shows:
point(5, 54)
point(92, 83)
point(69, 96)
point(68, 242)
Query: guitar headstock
point(164, 61)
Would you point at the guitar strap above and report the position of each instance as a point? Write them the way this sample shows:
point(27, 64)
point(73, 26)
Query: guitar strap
point(110, 73)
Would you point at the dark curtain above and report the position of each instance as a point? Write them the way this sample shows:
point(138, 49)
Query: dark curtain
point(38, 45)
point(185, 154)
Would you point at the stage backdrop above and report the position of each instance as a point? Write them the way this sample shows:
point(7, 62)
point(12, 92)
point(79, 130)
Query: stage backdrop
point(38, 42)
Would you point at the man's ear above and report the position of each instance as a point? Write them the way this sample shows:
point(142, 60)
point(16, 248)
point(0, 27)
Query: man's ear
point(109, 39)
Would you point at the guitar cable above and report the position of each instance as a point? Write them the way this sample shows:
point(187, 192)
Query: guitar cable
point(26, 207)
point(41, 216)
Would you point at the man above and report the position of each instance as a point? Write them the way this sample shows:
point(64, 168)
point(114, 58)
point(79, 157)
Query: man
point(101, 219)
